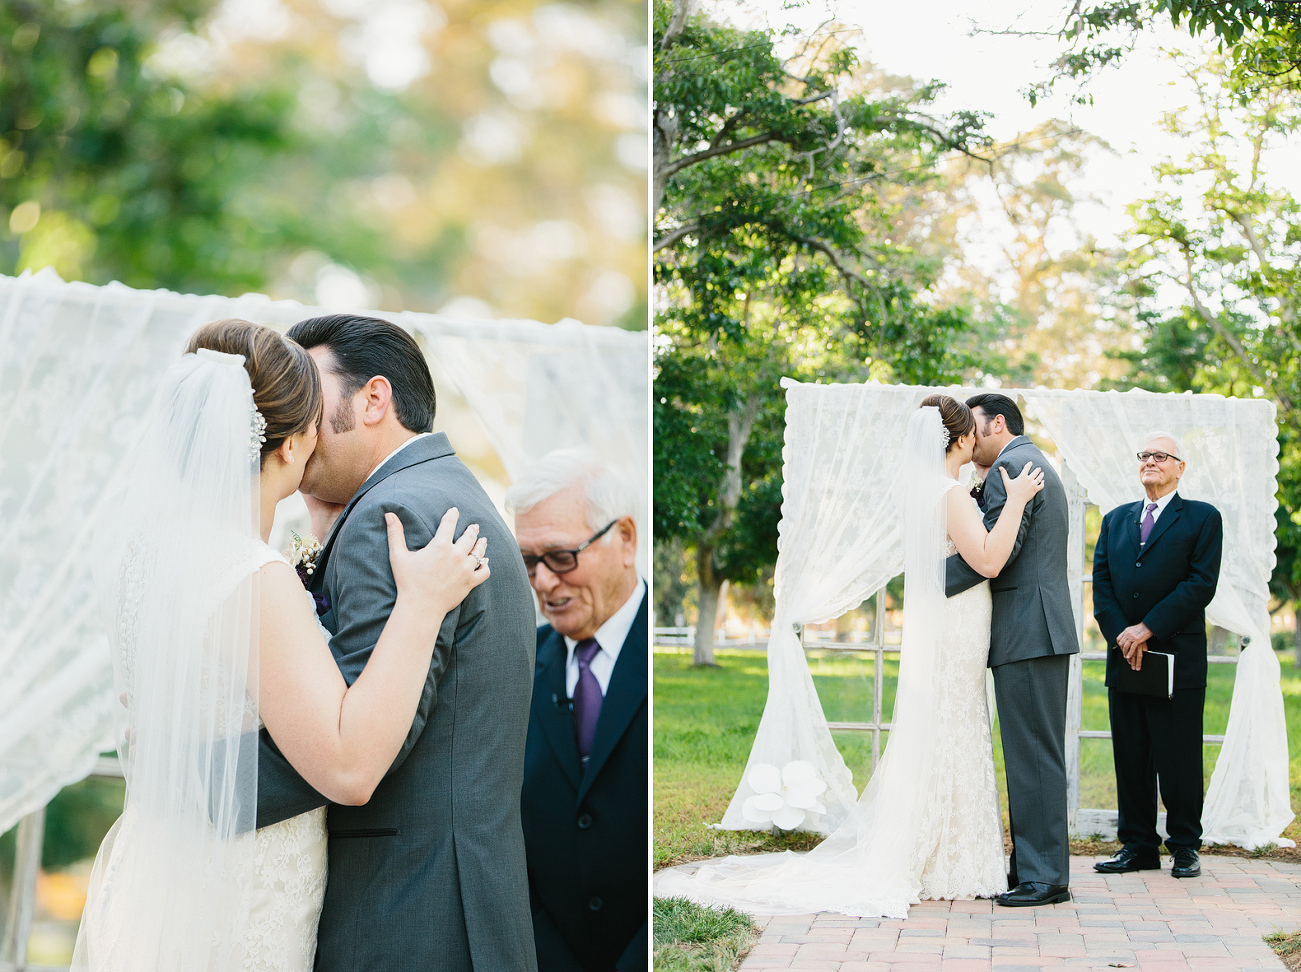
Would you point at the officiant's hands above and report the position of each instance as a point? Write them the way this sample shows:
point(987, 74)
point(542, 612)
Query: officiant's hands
point(1132, 643)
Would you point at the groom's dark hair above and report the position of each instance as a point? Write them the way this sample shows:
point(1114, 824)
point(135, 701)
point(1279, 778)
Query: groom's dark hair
point(364, 347)
point(992, 403)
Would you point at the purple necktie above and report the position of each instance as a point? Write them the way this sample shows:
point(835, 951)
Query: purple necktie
point(1145, 528)
point(587, 696)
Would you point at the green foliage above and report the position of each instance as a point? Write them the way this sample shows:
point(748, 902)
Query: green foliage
point(691, 938)
point(782, 251)
point(110, 171)
point(78, 818)
point(1261, 38)
point(1236, 261)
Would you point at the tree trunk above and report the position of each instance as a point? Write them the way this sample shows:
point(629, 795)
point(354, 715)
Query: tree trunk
point(739, 427)
point(710, 586)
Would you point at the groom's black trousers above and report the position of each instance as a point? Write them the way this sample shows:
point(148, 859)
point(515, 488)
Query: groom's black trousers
point(1031, 697)
point(1158, 741)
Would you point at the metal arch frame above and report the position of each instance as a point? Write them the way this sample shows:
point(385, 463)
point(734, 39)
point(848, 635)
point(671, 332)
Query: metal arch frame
point(1079, 819)
point(27, 862)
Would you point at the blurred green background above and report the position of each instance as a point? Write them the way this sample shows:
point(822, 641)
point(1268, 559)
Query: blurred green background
point(482, 158)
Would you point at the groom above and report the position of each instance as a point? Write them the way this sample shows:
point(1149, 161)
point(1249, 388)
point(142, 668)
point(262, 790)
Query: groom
point(430, 874)
point(1032, 636)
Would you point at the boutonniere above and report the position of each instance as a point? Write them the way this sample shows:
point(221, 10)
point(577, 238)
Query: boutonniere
point(303, 552)
point(977, 488)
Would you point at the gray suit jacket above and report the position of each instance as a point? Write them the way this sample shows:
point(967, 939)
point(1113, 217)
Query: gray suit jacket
point(430, 874)
point(1032, 600)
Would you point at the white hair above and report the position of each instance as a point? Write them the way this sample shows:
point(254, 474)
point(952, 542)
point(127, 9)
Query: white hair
point(608, 493)
point(1178, 446)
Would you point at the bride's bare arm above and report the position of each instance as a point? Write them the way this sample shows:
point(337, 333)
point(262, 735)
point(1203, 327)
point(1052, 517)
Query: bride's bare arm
point(342, 739)
point(987, 552)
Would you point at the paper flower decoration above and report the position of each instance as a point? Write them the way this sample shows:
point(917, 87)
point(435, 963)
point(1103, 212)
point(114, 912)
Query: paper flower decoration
point(783, 797)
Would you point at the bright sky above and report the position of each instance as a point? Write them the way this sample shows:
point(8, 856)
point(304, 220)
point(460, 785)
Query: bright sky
point(934, 39)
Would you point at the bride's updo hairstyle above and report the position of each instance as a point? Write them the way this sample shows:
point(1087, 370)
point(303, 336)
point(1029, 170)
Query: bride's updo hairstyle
point(286, 384)
point(957, 418)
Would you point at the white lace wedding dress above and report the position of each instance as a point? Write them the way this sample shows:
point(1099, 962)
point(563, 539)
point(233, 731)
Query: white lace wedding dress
point(286, 888)
point(289, 879)
point(916, 833)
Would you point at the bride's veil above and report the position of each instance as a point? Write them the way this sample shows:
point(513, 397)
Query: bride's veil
point(174, 563)
point(871, 865)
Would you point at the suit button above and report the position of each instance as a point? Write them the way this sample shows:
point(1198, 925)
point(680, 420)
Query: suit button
point(585, 821)
point(594, 904)
point(1136, 597)
point(1139, 564)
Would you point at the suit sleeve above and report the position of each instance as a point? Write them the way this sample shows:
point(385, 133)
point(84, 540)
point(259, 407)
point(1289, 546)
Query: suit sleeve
point(365, 594)
point(281, 792)
point(960, 576)
point(553, 951)
point(996, 499)
point(1106, 609)
point(1181, 607)
point(633, 958)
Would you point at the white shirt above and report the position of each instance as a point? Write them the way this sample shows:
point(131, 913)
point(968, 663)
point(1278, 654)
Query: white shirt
point(610, 636)
point(419, 435)
point(1161, 504)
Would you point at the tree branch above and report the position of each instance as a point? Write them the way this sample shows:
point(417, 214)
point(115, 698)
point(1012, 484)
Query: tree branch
point(1229, 338)
point(675, 235)
point(677, 24)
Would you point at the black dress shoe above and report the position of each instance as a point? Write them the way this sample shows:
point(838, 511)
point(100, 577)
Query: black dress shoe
point(1130, 859)
point(1187, 863)
point(1031, 893)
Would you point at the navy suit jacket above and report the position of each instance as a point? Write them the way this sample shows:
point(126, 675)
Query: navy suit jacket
point(1165, 583)
point(585, 828)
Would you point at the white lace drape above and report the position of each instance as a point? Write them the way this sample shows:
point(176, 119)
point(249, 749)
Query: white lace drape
point(839, 542)
point(1230, 446)
point(78, 366)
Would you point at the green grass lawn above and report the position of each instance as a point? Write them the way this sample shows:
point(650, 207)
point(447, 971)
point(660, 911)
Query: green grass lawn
point(705, 721)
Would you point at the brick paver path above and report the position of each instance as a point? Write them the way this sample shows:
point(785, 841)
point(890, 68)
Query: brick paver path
point(1147, 921)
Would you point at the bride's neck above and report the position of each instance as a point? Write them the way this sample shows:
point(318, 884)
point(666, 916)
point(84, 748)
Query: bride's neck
point(952, 464)
point(268, 499)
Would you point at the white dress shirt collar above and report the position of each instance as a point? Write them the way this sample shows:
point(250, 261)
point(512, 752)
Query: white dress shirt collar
point(1161, 504)
point(419, 435)
point(610, 636)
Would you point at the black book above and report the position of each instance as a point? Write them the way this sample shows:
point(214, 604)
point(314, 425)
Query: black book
point(1155, 678)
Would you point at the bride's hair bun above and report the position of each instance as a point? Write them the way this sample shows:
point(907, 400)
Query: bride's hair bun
point(957, 418)
point(286, 384)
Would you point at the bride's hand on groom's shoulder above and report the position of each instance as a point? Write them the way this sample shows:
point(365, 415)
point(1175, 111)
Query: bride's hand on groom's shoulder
point(1025, 485)
point(442, 572)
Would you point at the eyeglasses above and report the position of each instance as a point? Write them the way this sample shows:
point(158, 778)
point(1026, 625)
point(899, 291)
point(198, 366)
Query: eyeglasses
point(1158, 456)
point(563, 561)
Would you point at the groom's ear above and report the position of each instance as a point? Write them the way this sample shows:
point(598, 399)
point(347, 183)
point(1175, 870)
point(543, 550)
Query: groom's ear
point(377, 400)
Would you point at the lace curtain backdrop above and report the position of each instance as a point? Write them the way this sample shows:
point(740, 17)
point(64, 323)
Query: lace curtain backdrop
point(839, 542)
point(79, 366)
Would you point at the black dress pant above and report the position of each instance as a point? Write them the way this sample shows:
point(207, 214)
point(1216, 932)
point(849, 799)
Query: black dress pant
point(1158, 742)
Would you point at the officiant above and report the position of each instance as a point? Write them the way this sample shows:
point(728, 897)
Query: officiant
point(1155, 568)
point(585, 793)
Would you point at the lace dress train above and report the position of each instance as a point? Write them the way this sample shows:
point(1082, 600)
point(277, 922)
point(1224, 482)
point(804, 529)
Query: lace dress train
point(916, 833)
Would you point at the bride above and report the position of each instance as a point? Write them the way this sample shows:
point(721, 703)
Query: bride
point(213, 636)
point(927, 825)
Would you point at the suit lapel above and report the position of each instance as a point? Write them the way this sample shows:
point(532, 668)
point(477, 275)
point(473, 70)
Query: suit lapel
point(1168, 516)
point(551, 706)
point(433, 446)
point(1133, 523)
point(623, 697)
